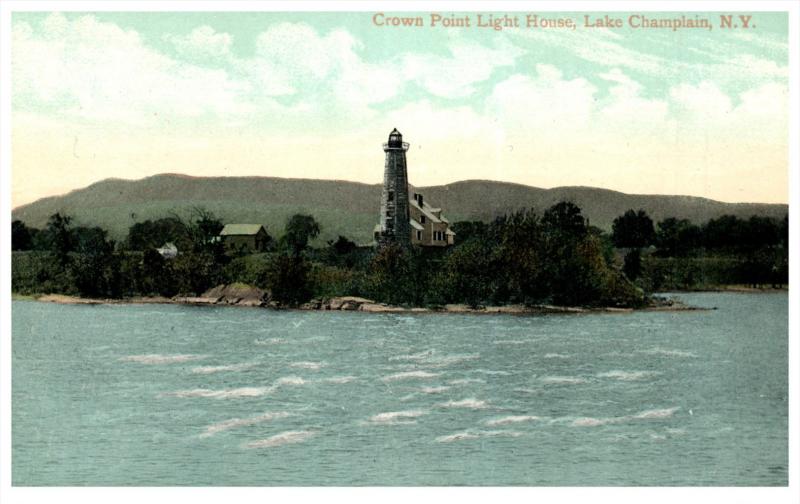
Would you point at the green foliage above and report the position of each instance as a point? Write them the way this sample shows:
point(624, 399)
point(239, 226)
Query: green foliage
point(288, 279)
point(300, 229)
point(518, 258)
point(21, 238)
point(633, 264)
point(95, 268)
point(633, 229)
point(677, 237)
point(152, 234)
point(60, 238)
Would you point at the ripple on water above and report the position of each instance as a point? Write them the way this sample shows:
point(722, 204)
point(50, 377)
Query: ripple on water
point(242, 422)
point(469, 403)
point(161, 359)
point(410, 375)
point(653, 414)
point(396, 417)
point(621, 375)
point(288, 437)
point(223, 368)
point(511, 420)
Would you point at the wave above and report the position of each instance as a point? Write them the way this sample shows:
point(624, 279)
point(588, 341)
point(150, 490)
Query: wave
point(315, 366)
point(430, 358)
point(465, 381)
point(238, 392)
point(556, 356)
point(510, 420)
point(218, 369)
point(501, 433)
point(434, 390)
point(270, 341)
point(221, 394)
point(339, 379)
point(288, 437)
point(161, 359)
point(492, 372)
point(413, 357)
point(628, 375)
point(668, 352)
point(510, 342)
point(653, 414)
point(458, 436)
point(410, 375)
point(289, 380)
point(397, 417)
point(592, 422)
point(241, 422)
point(563, 380)
point(656, 413)
point(470, 403)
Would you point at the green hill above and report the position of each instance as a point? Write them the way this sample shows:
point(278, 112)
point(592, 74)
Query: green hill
point(347, 208)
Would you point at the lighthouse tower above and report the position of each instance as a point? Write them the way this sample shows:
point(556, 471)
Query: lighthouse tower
point(394, 226)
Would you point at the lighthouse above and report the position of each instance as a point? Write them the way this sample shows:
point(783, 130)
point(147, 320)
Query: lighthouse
point(395, 227)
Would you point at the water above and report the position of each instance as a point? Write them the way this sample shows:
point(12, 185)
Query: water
point(176, 395)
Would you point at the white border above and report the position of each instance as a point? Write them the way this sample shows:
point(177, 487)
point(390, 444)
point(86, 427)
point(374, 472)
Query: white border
point(401, 494)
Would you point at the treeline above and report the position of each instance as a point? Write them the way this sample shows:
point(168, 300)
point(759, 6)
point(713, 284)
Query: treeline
point(725, 250)
point(521, 258)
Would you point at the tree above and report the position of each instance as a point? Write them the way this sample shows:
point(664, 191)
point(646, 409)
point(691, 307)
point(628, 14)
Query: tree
point(20, 236)
point(566, 218)
point(300, 229)
point(95, 271)
point(152, 234)
point(676, 237)
point(633, 230)
point(288, 279)
point(60, 237)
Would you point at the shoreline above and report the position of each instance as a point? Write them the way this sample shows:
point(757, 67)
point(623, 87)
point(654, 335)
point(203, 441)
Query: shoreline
point(357, 304)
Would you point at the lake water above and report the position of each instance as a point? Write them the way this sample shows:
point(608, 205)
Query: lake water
point(176, 395)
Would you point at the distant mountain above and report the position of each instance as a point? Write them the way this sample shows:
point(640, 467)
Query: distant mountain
point(347, 208)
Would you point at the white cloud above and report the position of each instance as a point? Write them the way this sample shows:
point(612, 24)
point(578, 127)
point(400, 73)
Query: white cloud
point(454, 76)
point(546, 104)
point(94, 70)
point(202, 42)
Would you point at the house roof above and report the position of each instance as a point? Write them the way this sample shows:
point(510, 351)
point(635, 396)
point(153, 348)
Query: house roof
point(425, 209)
point(241, 229)
point(417, 225)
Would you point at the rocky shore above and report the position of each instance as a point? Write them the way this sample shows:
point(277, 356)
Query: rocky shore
point(248, 296)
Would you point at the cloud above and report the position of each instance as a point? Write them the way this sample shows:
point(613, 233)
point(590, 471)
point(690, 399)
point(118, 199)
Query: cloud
point(87, 69)
point(202, 42)
point(454, 76)
point(544, 104)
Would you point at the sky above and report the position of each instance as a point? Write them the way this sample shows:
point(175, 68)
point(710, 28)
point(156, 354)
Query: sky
point(314, 95)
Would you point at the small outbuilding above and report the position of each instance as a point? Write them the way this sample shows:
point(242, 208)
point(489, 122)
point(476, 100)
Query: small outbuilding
point(244, 238)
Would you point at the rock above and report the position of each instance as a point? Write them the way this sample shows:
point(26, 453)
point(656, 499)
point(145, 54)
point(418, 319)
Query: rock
point(238, 294)
point(196, 300)
point(380, 308)
point(513, 309)
point(457, 308)
point(346, 303)
point(62, 299)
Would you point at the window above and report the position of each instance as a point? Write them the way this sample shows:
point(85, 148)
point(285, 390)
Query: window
point(422, 219)
point(419, 235)
point(390, 196)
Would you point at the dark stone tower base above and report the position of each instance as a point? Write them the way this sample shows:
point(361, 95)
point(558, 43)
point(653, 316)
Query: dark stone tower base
point(395, 227)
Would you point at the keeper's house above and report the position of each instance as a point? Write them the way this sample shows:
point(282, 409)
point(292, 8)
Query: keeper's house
point(244, 238)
